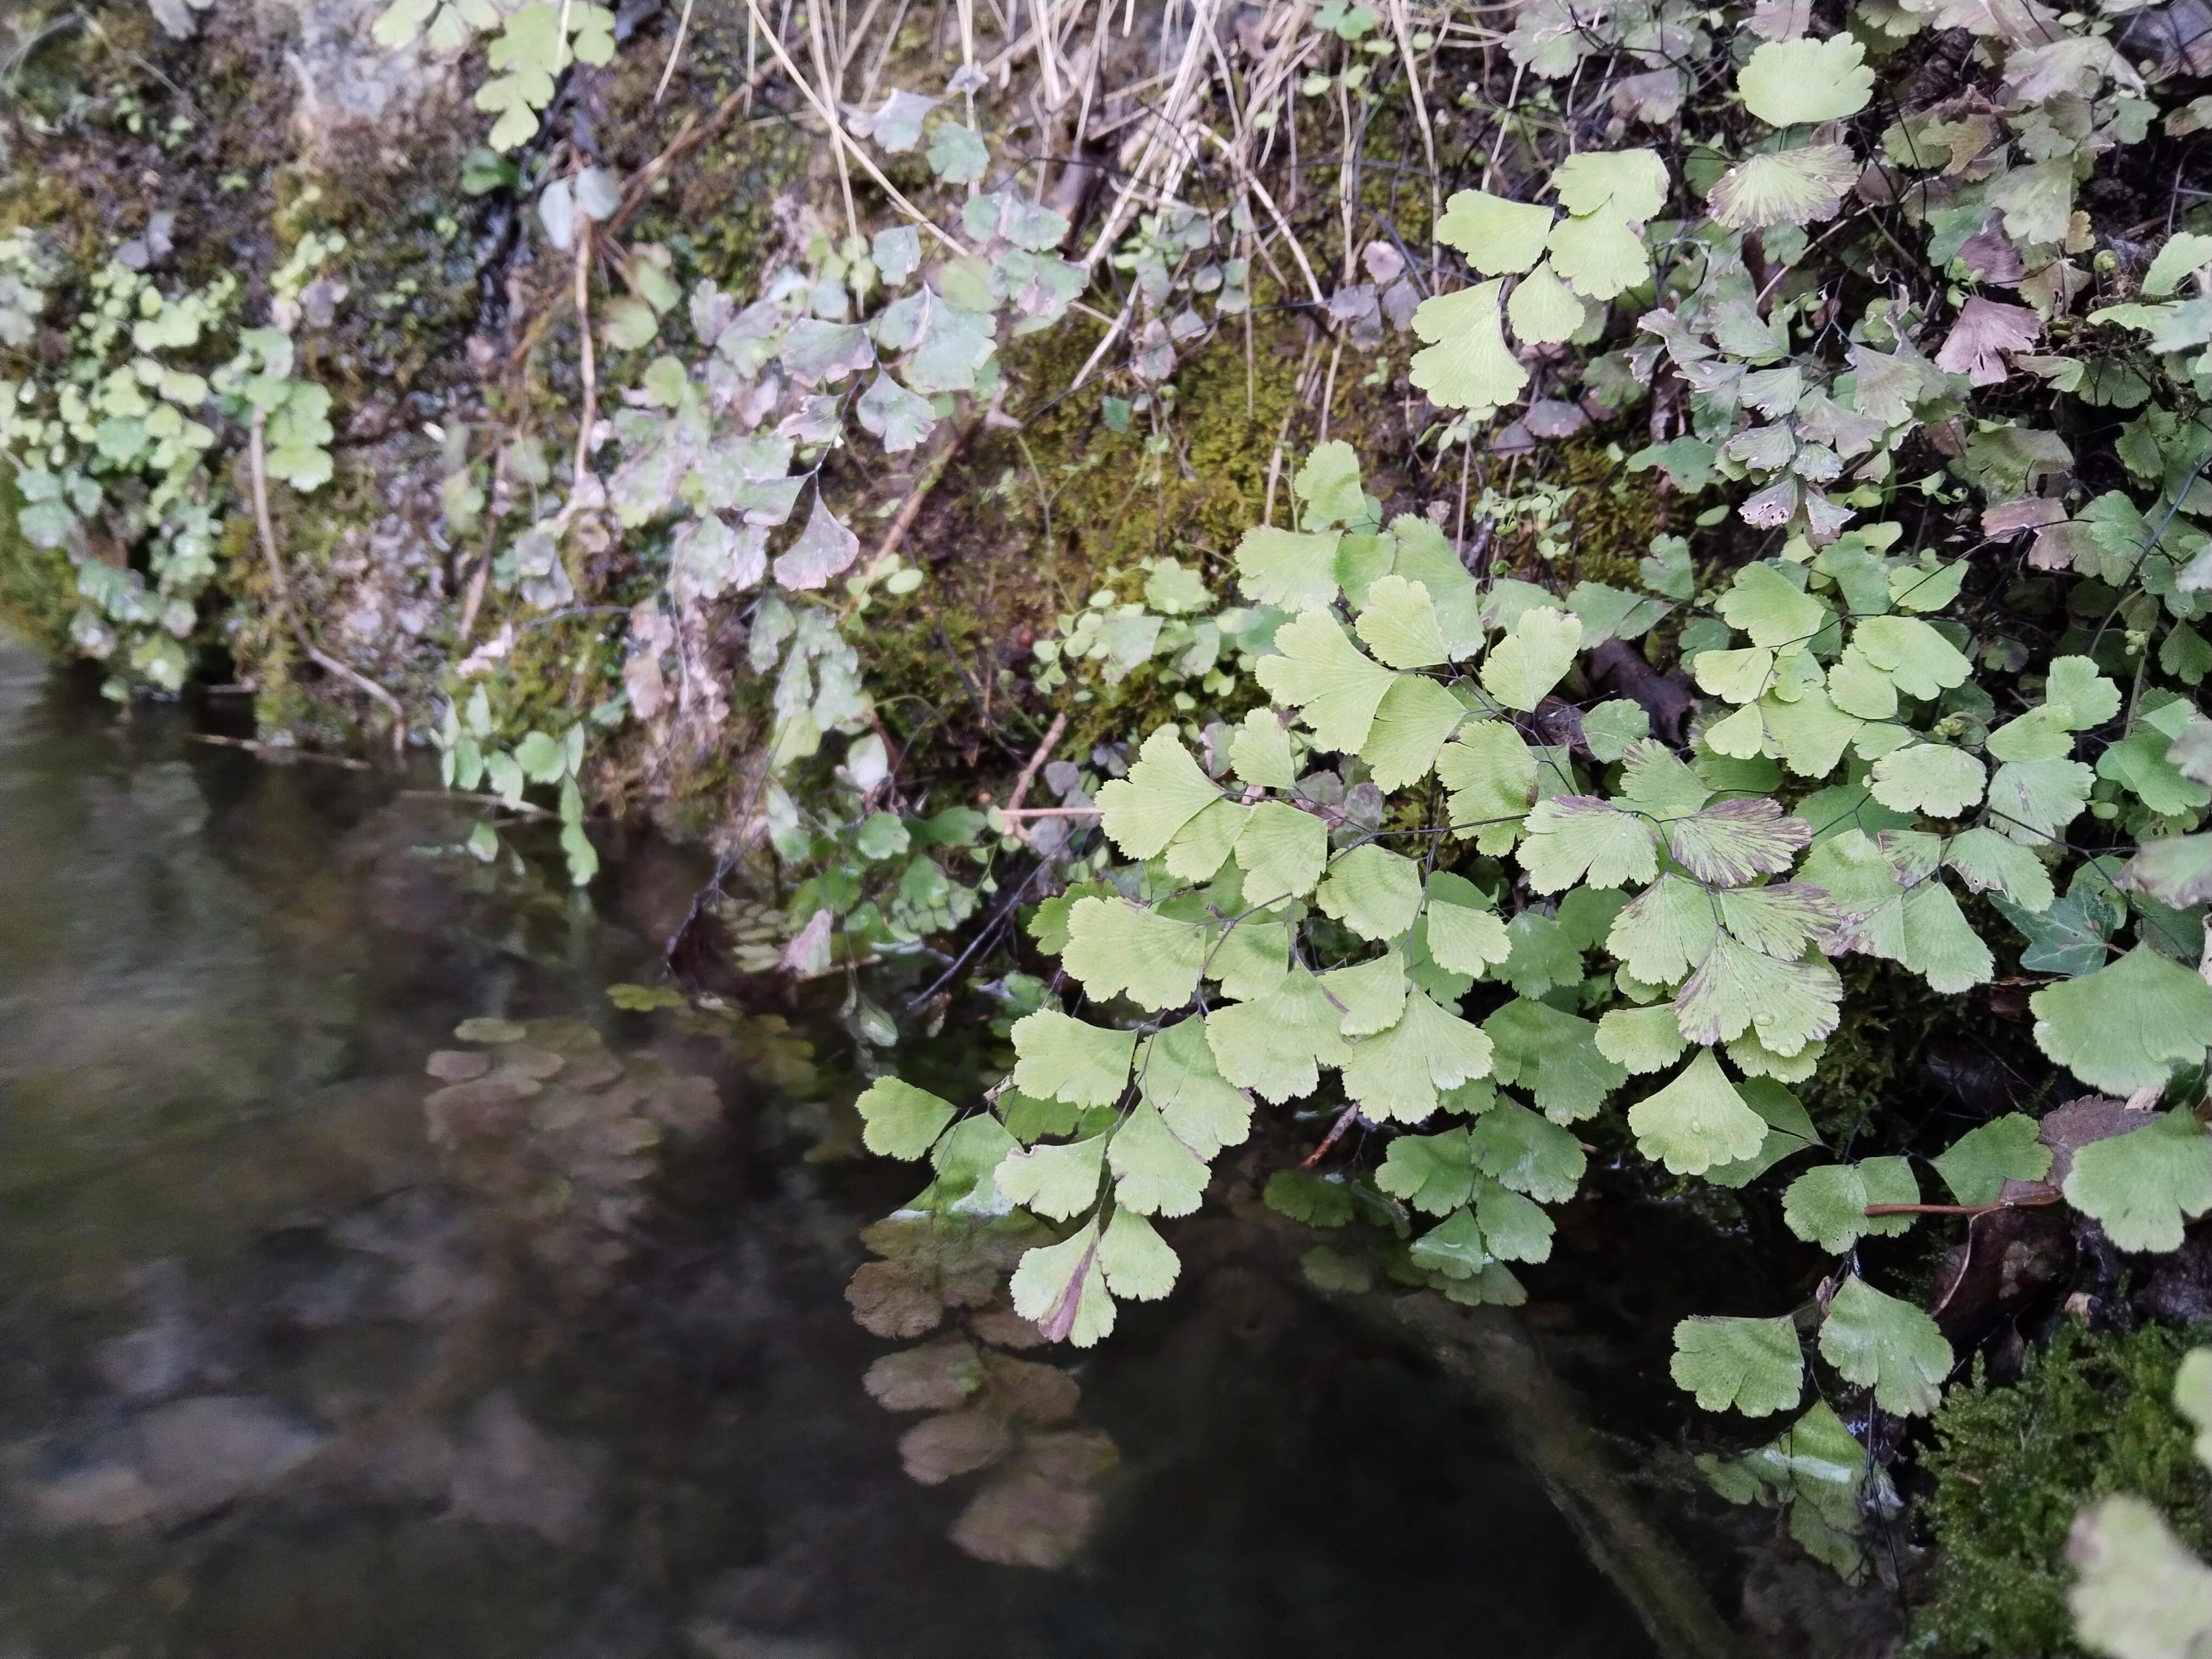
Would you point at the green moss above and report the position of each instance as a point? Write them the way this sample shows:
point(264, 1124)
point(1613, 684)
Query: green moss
point(2092, 1416)
point(38, 589)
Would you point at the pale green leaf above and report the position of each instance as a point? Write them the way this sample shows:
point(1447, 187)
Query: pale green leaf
point(1276, 1043)
point(1612, 726)
point(1328, 483)
point(1739, 676)
point(2193, 1398)
point(1115, 946)
point(1164, 790)
point(1464, 939)
point(1927, 777)
point(901, 1121)
point(1500, 237)
point(1776, 920)
point(1062, 1058)
point(2129, 1025)
point(2033, 801)
point(1466, 364)
point(1655, 781)
point(1917, 658)
point(1282, 852)
point(1628, 184)
point(1697, 1121)
point(1599, 257)
point(1054, 1180)
point(1827, 1206)
point(1986, 861)
point(1940, 944)
point(1666, 931)
point(1374, 892)
point(1491, 774)
point(1522, 667)
point(1177, 1074)
point(2145, 1184)
point(2185, 251)
point(1288, 569)
point(1788, 1130)
point(1888, 1345)
point(1136, 1261)
point(1452, 1248)
point(1260, 753)
point(1806, 81)
point(1751, 1365)
point(1432, 1173)
point(1768, 606)
point(1555, 1056)
point(1576, 838)
point(1641, 1039)
point(1322, 673)
point(1398, 623)
point(1252, 957)
point(1977, 1165)
point(1371, 995)
point(2139, 1592)
point(1736, 989)
point(1412, 723)
point(1154, 1173)
point(1543, 310)
point(1202, 845)
point(1530, 1154)
point(1395, 1074)
point(1513, 1229)
point(1060, 1289)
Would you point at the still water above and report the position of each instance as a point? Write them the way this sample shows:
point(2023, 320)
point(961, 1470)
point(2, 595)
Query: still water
point(298, 1361)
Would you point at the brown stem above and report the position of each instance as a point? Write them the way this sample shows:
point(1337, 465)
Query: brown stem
point(1959, 1209)
point(1335, 1133)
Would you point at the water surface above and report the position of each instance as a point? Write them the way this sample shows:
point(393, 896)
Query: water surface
point(291, 1366)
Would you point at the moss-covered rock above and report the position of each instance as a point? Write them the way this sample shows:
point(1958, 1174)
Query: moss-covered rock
point(2090, 1416)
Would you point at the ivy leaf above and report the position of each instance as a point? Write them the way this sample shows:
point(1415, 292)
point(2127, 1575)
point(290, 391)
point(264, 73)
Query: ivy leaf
point(1733, 842)
point(1697, 1121)
point(2145, 1184)
point(1432, 1173)
point(1523, 666)
point(1500, 237)
point(2126, 1026)
point(1290, 569)
point(1827, 1206)
point(1806, 81)
point(1177, 1075)
point(1891, 1346)
point(1260, 753)
point(1321, 672)
point(1466, 364)
point(1492, 776)
point(1529, 1154)
point(1276, 1043)
point(1164, 790)
point(1573, 838)
point(900, 1120)
point(1063, 1058)
point(1752, 1365)
point(1978, 1163)
point(1374, 892)
point(1927, 777)
point(1154, 1173)
point(2139, 1592)
point(1058, 1180)
point(1395, 1074)
point(1641, 1039)
point(1136, 1261)
point(1398, 623)
point(1114, 947)
point(1282, 852)
point(1463, 939)
point(1412, 723)
point(1060, 1288)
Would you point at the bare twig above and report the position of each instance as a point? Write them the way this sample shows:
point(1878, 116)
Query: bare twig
point(277, 753)
point(257, 461)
